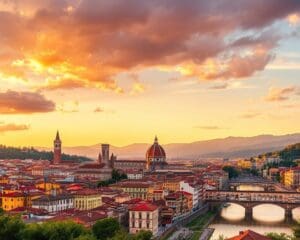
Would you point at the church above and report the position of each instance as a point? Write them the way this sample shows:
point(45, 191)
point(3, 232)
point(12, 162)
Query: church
point(155, 159)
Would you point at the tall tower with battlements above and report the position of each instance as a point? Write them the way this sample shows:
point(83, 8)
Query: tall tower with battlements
point(57, 150)
point(105, 154)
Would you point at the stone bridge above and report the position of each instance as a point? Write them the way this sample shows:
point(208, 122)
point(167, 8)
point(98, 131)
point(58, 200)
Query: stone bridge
point(268, 185)
point(249, 199)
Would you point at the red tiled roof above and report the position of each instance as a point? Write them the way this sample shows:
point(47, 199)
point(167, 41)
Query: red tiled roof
point(144, 207)
point(249, 235)
point(87, 192)
point(13, 194)
point(155, 151)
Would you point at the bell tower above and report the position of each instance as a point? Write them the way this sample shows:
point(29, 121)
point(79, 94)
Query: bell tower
point(57, 150)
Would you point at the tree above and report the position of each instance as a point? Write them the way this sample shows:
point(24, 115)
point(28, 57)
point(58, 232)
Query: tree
point(122, 235)
point(143, 235)
point(64, 230)
point(116, 175)
point(279, 236)
point(296, 230)
point(232, 171)
point(11, 228)
point(85, 237)
point(106, 228)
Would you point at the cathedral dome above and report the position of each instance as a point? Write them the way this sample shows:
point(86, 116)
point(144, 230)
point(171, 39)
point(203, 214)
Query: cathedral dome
point(155, 156)
point(155, 151)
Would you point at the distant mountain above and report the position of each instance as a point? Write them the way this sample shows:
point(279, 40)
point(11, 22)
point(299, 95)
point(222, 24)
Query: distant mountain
point(229, 147)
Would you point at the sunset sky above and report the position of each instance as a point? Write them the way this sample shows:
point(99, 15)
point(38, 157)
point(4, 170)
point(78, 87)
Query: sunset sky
point(122, 71)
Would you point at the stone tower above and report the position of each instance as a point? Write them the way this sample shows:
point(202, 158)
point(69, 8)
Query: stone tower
point(57, 149)
point(105, 154)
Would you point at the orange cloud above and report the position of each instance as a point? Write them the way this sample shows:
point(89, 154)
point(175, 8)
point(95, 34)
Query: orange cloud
point(88, 43)
point(12, 127)
point(280, 94)
point(12, 102)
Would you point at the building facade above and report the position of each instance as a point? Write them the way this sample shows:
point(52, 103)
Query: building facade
point(143, 216)
point(87, 199)
point(54, 203)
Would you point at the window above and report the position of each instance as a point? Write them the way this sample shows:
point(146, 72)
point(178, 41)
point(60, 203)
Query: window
point(148, 225)
point(148, 216)
point(140, 215)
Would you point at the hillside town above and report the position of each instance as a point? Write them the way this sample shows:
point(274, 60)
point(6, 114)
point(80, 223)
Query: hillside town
point(150, 194)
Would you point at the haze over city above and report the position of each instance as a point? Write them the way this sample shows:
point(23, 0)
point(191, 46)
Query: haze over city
point(121, 72)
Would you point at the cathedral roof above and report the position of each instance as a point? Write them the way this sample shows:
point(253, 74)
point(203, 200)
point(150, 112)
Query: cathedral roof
point(156, 150)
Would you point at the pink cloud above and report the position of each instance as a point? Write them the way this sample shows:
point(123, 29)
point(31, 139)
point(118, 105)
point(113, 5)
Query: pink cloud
point(12, 102)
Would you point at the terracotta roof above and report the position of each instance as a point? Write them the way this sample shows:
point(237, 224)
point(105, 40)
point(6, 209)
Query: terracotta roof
point(144, 207)
point(155, 151)
point(87, 192)
point(13, 194)
point(92, 166)
point(249, 235)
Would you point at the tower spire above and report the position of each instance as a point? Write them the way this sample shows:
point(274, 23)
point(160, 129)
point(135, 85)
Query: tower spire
point(57, 135)
point(155, 139)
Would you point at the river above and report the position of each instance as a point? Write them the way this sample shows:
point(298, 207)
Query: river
point(266, 218)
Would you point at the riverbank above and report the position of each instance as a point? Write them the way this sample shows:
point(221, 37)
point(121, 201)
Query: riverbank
point(200, 223)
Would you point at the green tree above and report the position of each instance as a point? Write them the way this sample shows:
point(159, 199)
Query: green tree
point(122, 235)
point(143, 235)
point(63, 230)
point(106, 228)
point(85, 237)
point(232, 171)
point(279, 236)
point(11, 228)
point(296, 230)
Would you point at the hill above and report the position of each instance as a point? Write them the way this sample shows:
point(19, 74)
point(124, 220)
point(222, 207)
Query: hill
point(31, 153)
point(230, 147)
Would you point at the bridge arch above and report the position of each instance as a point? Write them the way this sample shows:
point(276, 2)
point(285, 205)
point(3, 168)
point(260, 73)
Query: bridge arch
point(233, 212)
point(269, 212)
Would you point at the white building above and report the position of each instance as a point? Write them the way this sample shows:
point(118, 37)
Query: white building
point(193, 189)
point(134, 174)
point(143, 216)
point(54, 203)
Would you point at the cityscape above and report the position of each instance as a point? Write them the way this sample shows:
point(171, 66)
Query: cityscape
point(149, 120)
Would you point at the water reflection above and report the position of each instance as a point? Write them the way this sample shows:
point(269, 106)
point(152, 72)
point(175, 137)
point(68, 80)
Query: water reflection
point(268, 213)
point(246, 187)
point(266, 218)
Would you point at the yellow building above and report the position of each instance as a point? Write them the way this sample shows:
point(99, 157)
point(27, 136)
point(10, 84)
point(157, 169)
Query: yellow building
point(48, 187)
point(4, 179)
point(244, 163)
point(13, 200)
point(172, 185)
point(135, 189)
point(87, 199)
point(291, 177)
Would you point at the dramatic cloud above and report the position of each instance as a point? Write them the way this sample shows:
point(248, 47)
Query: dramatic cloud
point(70, 44)
point(12, 102)
point(12, 127)
point(281, 94)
